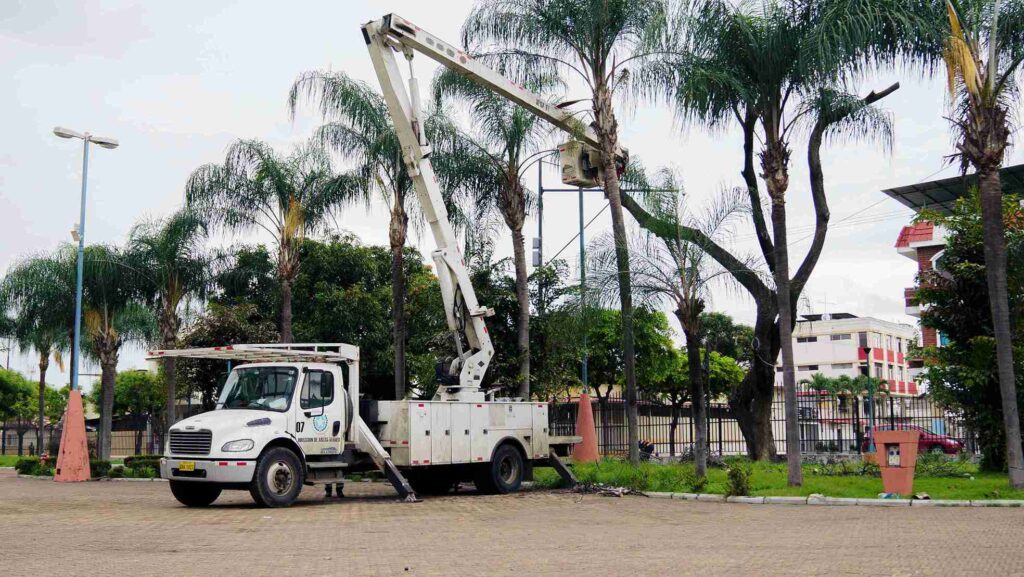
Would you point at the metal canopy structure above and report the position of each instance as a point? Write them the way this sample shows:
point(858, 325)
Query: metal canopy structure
point(268, 353)
point(941, 195)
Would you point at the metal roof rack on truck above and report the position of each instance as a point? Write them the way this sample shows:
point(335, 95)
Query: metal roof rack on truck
point(268, 353)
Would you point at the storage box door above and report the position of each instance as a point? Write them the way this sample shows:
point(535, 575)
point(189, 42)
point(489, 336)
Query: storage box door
point(440, 433)
point(482, 439)
point(419, 433)
point(540, 431)
point(461, 446)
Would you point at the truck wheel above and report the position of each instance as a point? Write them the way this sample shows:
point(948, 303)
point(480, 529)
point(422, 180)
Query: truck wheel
point(503, 474)
point(278, 478)
point(431, 482)
point(191, 494)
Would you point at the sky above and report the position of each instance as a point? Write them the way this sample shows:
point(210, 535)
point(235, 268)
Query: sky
point(177, 82)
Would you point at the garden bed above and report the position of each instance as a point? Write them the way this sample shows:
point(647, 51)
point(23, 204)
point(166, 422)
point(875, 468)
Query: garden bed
point(948, 479)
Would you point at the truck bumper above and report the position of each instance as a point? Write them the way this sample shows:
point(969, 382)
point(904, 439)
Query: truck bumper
point(237, 471)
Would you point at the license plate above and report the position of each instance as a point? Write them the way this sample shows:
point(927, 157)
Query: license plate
point(185, 466)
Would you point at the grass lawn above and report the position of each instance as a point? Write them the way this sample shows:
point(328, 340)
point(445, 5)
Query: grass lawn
point(770, 479)
point(8, 460)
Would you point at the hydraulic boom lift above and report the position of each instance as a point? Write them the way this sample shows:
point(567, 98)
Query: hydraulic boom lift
point(461, 377)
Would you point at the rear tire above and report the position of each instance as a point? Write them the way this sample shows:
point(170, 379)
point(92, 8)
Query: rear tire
point(192, 494)
point(278, 479)
point(937, 450)
point(504, 474)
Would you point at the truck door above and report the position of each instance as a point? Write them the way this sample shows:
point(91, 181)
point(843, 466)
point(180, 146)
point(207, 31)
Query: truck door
point(320, 415)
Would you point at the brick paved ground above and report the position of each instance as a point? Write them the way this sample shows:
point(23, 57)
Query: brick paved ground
point(138, 529)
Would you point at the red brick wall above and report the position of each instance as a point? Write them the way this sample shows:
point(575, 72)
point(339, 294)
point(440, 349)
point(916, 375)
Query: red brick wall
point(924, 257)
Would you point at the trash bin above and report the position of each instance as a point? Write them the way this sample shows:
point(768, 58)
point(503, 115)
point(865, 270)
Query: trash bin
point(897, 457)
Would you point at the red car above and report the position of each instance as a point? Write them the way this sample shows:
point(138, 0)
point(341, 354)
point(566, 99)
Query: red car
point(929, 442)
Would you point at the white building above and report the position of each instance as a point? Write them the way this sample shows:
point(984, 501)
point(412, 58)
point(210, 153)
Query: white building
point(837, 344)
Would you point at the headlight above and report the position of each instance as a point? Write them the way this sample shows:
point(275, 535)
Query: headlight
point(239, 446)
point(261, 422)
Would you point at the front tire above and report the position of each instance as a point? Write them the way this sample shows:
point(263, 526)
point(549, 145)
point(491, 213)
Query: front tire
point(278, 479)
point(504, 474)
point(192, 494)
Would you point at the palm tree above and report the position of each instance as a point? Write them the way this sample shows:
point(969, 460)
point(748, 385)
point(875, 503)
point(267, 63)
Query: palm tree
point(43, 304)
point(288, 197)
point(507, 139)
point(775, 67)
point(984, 54)
point(113, 313)
point(358, 127)
point(173, 259)
point(592, 41)
point(673, 269)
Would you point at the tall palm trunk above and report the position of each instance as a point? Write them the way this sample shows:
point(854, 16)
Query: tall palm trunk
point(397, 235)
point(698, 403)
point(995, 273)
point(773, 161)
point(607, 130)
point(44, 363)
point(286, 309)
point(751, 402)
point(169, 337)
point(108, 375)
point(523, 322)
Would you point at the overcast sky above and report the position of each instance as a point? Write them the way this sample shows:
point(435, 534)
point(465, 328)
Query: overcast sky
point(177, 82)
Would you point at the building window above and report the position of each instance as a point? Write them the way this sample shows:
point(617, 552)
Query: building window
point(807, 368)
point(840, 366)
point(807, 339)
point(844, 337)
point(878, 370)
point(778, 369)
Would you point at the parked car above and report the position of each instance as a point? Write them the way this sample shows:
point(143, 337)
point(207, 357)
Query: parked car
point(929, 442)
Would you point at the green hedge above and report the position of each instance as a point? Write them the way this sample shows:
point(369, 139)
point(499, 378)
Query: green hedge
point(143, 461)
point(33, 466)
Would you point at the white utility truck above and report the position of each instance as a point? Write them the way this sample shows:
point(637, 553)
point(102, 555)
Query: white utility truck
point(286, 418)
point(293, 416)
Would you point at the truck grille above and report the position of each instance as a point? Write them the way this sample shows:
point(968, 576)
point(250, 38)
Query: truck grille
point(191, 442)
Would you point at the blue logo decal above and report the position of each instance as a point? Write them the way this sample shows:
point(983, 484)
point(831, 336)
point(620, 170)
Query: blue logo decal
point(320, 423)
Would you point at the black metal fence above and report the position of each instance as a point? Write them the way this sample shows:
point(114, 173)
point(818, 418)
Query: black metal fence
point(827, 424)
point(122, 443)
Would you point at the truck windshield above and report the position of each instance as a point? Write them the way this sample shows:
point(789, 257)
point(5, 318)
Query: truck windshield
point(260, 388)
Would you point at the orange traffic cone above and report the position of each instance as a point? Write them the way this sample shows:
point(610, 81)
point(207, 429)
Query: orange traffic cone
point(586, 450)
point(73, 459)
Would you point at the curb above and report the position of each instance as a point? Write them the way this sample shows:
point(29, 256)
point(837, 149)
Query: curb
point(100, 480)
point(818, 500)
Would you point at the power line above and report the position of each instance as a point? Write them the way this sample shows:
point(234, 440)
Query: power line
point(577, 235)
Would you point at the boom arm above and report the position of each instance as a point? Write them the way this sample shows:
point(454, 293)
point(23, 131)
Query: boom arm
point(464, 314)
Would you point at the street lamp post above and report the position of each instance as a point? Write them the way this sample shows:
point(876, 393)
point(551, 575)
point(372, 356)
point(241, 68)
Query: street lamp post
point(73, 459)
point(105, 143)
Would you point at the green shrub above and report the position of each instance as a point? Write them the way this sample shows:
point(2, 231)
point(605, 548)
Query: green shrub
point(140, 472)
point(739, 479)
point(137, 461)
point(116, 472)
point(98, 468)
point(26, 465)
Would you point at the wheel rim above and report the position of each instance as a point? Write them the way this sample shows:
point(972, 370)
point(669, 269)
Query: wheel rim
point(508, 470)
point(280, 478)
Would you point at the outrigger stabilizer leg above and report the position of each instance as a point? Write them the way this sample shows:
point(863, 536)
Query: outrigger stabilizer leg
point(563, 471)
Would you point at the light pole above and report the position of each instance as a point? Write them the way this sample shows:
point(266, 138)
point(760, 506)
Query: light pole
point(105, 143)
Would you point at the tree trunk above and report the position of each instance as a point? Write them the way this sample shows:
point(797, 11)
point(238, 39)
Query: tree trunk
point(108, 371)
point(286, 310)
point(698, 404)
point(607, 130)
point(795, 476)
point(751, 402)
point(44, 363)
point(523, 322)
point(672, 425)
point(774, 160)
point(169, 337)
point(995, 274)
point(396, 236)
